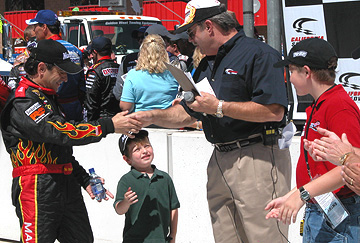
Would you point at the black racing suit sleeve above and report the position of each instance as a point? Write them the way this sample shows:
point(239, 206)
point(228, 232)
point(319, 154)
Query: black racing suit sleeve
point(93, 95)
point(14, 77)
point(80, 173)
point(38, 121)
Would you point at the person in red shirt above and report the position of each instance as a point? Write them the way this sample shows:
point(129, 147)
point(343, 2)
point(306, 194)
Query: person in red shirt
point(339, 152)
point(331, 148)
point(4, 93)
point(312, 64)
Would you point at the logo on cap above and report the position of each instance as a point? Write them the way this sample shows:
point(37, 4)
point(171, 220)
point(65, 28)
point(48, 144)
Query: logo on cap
point(66, 55)
point(189, 14)
point(300, 54)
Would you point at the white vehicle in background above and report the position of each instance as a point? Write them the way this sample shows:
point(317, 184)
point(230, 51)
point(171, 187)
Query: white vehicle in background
point(80, 29)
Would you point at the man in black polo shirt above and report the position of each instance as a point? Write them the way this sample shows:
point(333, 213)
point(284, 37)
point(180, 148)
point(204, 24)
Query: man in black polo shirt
point(247, 168)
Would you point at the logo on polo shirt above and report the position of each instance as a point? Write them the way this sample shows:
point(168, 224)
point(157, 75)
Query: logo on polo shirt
point(314, 125)
point(230, 71)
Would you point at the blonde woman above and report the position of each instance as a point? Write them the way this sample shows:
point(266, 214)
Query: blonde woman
point(197, 57)
point(150, 85)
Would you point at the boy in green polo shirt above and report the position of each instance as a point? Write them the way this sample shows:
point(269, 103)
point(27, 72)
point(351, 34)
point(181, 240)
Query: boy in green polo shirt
point(145, 195)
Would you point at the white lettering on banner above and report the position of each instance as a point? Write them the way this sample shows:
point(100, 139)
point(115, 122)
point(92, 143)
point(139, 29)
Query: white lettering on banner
point(110, 72)
point(111, 23)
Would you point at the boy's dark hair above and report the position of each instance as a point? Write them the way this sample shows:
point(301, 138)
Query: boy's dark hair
point(324, 75)
point(124, 141)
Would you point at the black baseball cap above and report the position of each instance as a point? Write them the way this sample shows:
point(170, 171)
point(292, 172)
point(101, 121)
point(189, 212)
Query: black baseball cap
point(52, 52)
point(124, 139)
point(313, 52)
point(199, 10)
point(101, 43)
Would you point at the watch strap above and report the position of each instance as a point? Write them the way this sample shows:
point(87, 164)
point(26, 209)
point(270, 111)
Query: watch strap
point(219, 111)
point(304, 194)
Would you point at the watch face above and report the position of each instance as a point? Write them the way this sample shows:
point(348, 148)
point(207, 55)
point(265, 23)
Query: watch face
point(219, 114)
point(305, 195)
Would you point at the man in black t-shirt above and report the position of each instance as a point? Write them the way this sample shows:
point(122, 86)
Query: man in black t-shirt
point(242, 119)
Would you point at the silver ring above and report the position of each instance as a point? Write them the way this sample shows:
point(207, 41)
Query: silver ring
point(351, 182)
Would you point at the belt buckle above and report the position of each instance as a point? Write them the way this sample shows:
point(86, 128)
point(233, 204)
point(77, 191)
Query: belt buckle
point(243, 143)
point(221, 148)
point(217, 147)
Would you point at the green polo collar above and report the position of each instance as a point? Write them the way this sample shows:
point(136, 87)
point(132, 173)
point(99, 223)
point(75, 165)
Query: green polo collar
point(137, 174)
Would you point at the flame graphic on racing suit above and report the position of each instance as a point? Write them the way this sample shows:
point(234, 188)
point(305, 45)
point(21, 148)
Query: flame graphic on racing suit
point(26, 155)
point(78, 131)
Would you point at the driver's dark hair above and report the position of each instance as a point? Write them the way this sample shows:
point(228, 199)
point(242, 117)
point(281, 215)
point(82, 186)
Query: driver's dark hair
point(32, 64)
point(105, 52)
point(54, 29)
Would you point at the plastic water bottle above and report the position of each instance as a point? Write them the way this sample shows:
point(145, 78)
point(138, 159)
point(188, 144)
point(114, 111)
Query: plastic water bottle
point(96, 185)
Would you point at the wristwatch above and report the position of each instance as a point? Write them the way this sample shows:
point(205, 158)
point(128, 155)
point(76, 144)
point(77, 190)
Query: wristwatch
point(219, 112)
point(304, 195)
point(344, 157)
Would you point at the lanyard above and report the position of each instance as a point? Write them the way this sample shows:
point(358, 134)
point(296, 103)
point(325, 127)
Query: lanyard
point(307, 131)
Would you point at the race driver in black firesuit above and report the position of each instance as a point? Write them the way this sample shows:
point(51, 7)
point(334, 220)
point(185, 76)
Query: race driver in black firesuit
point(100, 81)
point(47, 179)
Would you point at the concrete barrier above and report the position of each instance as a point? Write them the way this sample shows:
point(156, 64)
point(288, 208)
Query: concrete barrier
point(184, 155)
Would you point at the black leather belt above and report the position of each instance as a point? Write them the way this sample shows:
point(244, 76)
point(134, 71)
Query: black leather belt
point(238, 144)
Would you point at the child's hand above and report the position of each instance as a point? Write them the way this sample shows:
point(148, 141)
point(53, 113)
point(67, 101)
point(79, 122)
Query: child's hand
point(130, 197)
point(274, 207)
point(290, 208)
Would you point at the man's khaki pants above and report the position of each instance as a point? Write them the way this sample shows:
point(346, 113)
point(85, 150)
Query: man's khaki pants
point(240, 184)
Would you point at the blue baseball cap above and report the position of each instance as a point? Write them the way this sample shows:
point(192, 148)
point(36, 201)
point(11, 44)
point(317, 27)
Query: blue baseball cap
point(142, 29)
point(43, 17)
point(100, 44)
point(158, 29)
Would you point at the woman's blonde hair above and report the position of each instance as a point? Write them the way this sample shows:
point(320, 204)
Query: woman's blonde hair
point(197, 56)
point(152, 55)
